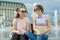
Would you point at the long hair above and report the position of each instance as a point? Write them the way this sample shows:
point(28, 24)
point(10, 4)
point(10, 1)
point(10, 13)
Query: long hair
point(40, 7)
point(18, 15)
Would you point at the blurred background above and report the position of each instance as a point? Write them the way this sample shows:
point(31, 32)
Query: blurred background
point(7, 13)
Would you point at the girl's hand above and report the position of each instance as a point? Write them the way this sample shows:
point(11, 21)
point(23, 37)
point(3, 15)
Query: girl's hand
point(16, 31)
point(39, 33)
point(13, 31)
point(22, 32)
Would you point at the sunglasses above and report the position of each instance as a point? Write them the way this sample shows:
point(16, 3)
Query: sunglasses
point(23, 11)
point(36, 9)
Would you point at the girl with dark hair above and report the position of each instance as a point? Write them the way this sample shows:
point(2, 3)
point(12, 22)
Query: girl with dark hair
point(41, 25)
point(20, 25)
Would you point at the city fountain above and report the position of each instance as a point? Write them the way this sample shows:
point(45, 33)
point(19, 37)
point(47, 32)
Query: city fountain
point(55, 23)
point(2, 29)
point(33, 13)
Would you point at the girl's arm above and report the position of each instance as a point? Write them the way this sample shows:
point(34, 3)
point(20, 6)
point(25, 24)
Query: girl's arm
point(34, 26)
point(14, 28)
point(28, 26)
point(48, 26)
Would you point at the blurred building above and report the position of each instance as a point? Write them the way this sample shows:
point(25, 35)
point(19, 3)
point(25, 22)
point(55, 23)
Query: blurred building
point(7, 12)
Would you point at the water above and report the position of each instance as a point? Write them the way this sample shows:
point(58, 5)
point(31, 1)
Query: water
point(55, 23)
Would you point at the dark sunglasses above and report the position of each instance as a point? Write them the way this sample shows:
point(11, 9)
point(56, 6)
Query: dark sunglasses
point(23, 11)
point(35, 9)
